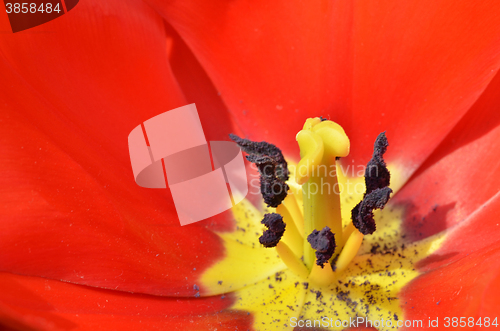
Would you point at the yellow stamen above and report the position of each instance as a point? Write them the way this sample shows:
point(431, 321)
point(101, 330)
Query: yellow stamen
point(322, 276)
point(325, 276)
point(296, 192)
point(292, 262)
point(293, 208)
point(348, 230)
point(349, 251)
point(292, 237)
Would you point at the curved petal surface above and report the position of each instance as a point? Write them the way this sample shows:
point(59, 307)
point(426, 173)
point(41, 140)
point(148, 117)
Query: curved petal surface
point(410, 68)
point(72, 90)
point(460, 175)
point(461, 277)
point(31, 303)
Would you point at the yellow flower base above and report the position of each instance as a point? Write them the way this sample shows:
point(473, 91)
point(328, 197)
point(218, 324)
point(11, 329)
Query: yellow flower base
point(280, 300)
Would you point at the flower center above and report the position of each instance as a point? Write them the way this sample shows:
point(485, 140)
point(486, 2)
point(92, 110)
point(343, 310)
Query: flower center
point(315, 245)
point(347, 274)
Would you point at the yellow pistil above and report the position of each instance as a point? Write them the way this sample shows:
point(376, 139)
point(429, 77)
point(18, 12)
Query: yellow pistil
point(320, 144)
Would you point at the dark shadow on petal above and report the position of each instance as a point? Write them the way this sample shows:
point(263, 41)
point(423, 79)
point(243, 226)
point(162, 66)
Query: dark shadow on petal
point(198, 88)
point(215, 117)
point(417, 226)
point(27, 309)
point(435, 258)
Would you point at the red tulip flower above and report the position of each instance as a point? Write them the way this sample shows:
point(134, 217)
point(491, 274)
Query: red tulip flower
point(82, 247)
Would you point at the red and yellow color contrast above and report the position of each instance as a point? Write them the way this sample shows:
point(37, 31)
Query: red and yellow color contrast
point(82, 247)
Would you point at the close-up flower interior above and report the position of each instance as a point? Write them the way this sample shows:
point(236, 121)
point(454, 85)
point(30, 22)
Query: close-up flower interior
point(370, 131)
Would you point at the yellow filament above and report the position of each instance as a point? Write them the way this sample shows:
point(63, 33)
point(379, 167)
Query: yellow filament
point(322, 276)
point(296, 191)
point(348, 230)
point(292, 262)
point(297, 215)
point(292, 237)
point(349, 251)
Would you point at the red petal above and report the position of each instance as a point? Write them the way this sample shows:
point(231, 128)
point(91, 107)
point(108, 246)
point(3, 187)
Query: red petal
point(409, 68)
point(419, 66)
point(478, 232)
point(461, 278)
point(218, 122)
point(464, 288)
point(491, 298)
point(44, 304)
point(71, 92)
point(461, 174)
point(270, 61)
